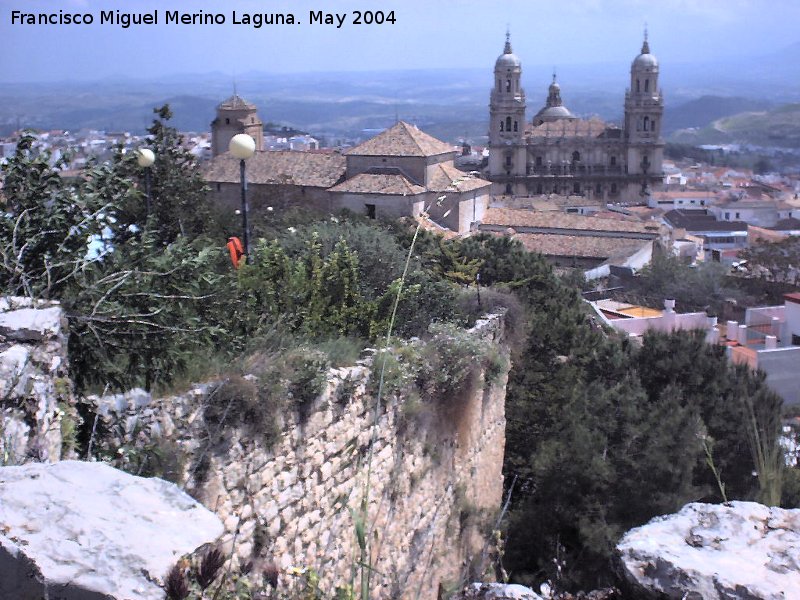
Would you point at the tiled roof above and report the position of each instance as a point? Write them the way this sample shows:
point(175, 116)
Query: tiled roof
point(445, 177)
point(379, 183)
point(280, 167)
point(236, 102)
point(700, 220)
point(402, 139)
point(507, 217)
point(579, 246)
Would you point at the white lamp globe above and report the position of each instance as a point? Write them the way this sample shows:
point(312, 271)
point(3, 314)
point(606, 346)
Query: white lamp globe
point(145, 157)
point(242, 146)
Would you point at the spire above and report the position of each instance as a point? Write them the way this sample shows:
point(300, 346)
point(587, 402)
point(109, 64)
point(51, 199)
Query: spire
point(554, 74)
point(645, 45)
point(507, 49)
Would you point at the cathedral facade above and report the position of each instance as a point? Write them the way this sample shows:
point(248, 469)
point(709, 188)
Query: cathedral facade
point(558, 153)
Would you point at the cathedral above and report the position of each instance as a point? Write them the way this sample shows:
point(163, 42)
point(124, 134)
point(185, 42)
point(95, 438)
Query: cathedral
point(558, 153)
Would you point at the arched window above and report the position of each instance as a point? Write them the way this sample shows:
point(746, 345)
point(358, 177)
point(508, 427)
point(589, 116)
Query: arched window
point(637, 86)
point(646, 125)
point(576, 156)
point(508, 123)
point(613, 161)
point(653, 125)
point(227, 121)
point(515, 126)
point(501, 125)
point(508, 85)
point(646, 85)
point(499, 86)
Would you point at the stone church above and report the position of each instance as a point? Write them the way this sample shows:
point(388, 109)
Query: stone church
point(558, 153)
point(401, 172)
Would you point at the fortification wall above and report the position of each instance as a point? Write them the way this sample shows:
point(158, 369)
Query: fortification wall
point(432, 470)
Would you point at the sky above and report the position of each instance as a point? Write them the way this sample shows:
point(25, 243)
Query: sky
point(426, 34)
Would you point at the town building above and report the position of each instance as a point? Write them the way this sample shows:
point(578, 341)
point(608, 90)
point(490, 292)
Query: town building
point(235, 115)
point(558, 153)
point(401, 172)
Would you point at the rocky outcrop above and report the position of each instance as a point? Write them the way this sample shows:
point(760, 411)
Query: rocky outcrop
point(37, 407)
point(739, 550)
point(86, 531)
point(498, 591)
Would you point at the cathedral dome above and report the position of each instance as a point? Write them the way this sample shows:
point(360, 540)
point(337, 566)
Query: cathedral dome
point(645, 60)
point(508, 60)
point(553, 113)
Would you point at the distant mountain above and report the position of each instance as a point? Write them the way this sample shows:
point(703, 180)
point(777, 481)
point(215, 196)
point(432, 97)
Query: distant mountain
point(778, 127)
point(704, 110)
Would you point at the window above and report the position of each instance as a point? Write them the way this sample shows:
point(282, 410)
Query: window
point(727, 216)
point(652, 125)
point(646, 125)
point(499, 86)
point(508, 161)
point(501, 124)
point(576, 156)
point(737, 215)
point(508, 123)
point(598, 190)
point(370, 211)
point(613, 188)
point(508, 188)
point(576, 188)
point(646, 85)
point(539, 188)
point(613, 161)
point(538, 161)
point(637, 86)
point(508, 85)
point(219, 187)
point(227, 121)
point(515, 126)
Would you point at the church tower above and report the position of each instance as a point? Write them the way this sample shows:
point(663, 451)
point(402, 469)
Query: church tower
point(644, 109)
point(235, 115)
point(507, 153)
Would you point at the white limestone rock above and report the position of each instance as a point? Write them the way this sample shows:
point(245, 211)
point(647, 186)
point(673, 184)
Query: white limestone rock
point(499, 591)
point(31, 324)
point(741, 550)
point(86, 531)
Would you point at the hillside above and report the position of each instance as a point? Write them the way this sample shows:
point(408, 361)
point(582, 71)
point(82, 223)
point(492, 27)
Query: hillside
point(703, 110)
point(778, 127)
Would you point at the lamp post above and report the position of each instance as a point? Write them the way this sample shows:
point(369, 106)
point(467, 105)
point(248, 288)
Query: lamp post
point(242, 146)
point(145, 158)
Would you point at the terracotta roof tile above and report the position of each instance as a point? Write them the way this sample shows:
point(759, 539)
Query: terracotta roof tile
point(379, 183)
point(445, 177)
point(402, 139)
point(507, 217)
point(578, 246)
point(280, 167)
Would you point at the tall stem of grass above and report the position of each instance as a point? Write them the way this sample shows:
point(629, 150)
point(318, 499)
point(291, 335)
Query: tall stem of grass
point(365, 560)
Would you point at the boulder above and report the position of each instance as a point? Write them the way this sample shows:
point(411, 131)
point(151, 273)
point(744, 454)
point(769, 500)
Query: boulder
point(498, 591)
point(740, 550)
point(31, 324)
point(86, 531)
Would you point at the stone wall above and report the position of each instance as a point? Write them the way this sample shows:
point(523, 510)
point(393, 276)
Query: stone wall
point(434, 470)
point(36, 398)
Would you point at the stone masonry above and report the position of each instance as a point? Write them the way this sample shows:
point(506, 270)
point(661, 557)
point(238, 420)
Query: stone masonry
point(36, 398)
point(435, 483)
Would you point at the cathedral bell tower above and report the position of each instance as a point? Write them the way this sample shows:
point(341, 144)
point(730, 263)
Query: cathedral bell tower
point(507, 122)
point(644, 109)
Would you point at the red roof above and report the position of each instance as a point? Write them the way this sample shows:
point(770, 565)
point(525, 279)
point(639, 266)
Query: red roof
point(793, 297)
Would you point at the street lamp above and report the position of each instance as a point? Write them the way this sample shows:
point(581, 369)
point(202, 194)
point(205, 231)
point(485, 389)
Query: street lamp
point(242, 146)
point(145, 158)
